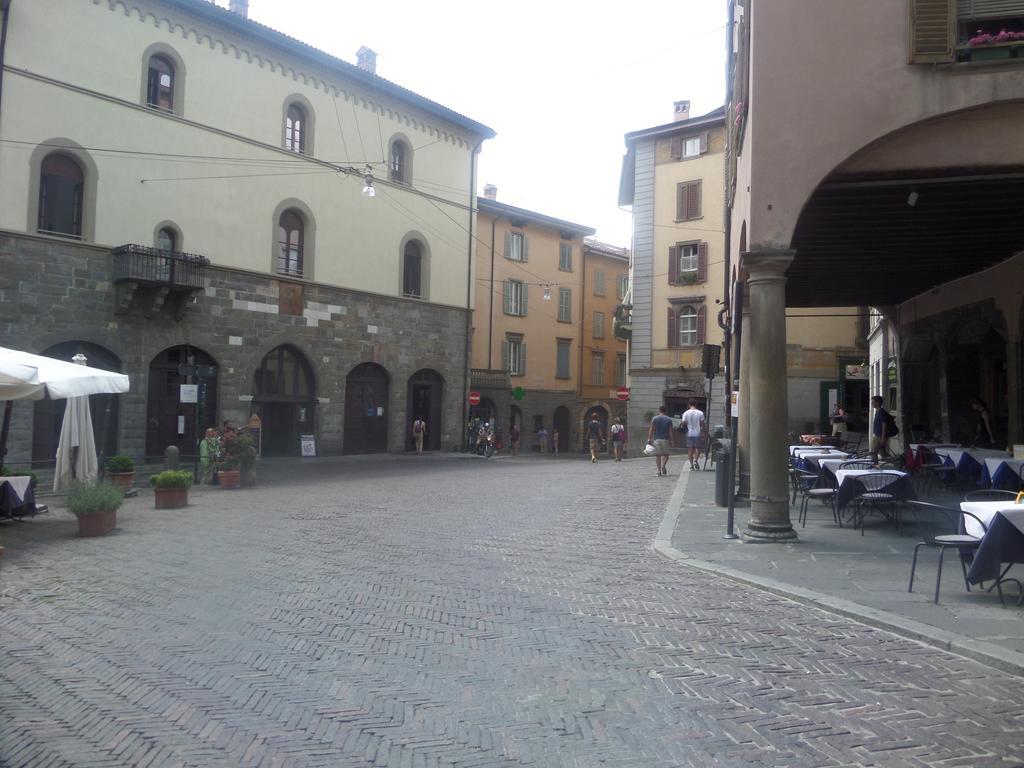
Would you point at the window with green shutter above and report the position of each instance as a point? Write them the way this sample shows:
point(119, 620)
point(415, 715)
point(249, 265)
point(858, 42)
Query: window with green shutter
point(564, 346)
point(565, 305)
point(514, 297)
point(599, 282)
point(565, 257)
point(932, 31)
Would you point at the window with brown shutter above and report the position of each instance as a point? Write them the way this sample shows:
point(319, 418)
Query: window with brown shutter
point(688, 201)
point(673, 332)
point(701, 313)
point(932, 31)
point(673, 265)
point(702, 263)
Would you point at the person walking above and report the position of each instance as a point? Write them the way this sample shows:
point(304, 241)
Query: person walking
point(554, 441)
point(659, 434)
point(883, 427)
point(595, 434)
point(838, 420)
point(419, 428)
point(513, 439)
point(542, 437)
point(983, 437)
point(618, 433)
point(693, 419)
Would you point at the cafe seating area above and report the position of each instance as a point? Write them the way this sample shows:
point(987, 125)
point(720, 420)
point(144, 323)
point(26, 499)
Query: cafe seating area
point(952, 498)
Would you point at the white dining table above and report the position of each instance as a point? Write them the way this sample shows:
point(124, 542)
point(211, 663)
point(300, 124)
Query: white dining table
point(19, 483)
point(986, 510)
point(977, 455)
point(818, 457)
point(995, 468)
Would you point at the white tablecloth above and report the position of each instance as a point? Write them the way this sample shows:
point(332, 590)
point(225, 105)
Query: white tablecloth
point(986, 510)
point(956, 455)
point(19, 484)
point(992, 466)
point(816, 456)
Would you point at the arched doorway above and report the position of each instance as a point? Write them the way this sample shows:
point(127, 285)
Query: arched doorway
point(424, 399)
point(366, 409)
point(284, 395)
point(49, 414)
point(602, 416)
point(485, 411)
point(168, 420)
point(561, 423)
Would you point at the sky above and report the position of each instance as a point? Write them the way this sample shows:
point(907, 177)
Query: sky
point(560, 81)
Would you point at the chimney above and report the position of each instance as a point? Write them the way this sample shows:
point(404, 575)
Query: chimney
point(490, 192)
point(241, 7)
point(366, 60)
point(681, 110)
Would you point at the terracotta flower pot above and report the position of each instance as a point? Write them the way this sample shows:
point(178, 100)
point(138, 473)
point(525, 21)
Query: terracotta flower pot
point(122, 480)
point(229, 478)
point(170, 498)
point(97, 524)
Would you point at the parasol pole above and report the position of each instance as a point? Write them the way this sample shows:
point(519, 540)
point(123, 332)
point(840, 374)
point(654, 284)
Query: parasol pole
point(6, 430)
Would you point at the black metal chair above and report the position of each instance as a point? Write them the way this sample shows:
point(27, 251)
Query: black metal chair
point(810, 488)
point(934, 471)
point(963, 543)
point(857, 464)
point(875, 497)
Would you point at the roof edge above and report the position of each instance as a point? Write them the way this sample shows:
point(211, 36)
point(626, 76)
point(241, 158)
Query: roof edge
point(493, 206)
point(678, 126)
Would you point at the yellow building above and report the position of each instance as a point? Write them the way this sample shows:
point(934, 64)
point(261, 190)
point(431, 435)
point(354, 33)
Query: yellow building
point(602, 358)
point(674, 179)
point(526, 321)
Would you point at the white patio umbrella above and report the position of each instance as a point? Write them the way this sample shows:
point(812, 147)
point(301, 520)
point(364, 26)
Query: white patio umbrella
point(76, 449)
point(23, 375)
point(27, 376)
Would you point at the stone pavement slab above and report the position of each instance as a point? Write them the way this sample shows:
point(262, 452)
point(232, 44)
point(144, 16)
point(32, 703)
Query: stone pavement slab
point(420, 611)
point(867, 575)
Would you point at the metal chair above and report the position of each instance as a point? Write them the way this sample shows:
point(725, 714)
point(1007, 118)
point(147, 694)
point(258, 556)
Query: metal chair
point(933, 471)
point(874, 496)
point(808, 483)
point(963, 543)
point(857, 464)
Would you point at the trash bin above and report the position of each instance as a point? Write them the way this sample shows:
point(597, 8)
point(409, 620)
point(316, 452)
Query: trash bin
point(723, 472)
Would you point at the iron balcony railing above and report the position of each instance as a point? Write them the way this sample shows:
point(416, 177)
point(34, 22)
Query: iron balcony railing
point(153, 266)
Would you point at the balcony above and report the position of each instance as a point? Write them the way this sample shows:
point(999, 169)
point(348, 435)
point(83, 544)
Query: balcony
point(152, 278)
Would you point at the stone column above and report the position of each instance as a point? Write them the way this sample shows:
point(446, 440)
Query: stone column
point(743, 438)
point(769, 480)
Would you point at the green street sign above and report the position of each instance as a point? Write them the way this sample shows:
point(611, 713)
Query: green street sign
point(518, 393)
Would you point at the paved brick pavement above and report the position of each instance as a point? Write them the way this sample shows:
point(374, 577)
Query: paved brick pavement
point(430, 611)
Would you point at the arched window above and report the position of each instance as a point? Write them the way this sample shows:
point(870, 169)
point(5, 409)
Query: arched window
point(399, 162)
point(61, 193)
point(685, 325)
point(295, 129)
point(160, 84)
point(412, 270)
point(290, 237)
point(167, 239)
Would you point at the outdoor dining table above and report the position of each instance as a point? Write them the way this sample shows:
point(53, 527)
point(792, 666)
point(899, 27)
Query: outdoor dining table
point(850, 487)
point(811, 462)
point(917, 452)
point(969, 459)
point(16, 496)
point(1002, 543)
point(1001, 473)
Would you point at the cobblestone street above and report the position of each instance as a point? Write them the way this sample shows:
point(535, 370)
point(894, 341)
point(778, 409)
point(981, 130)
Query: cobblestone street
point(437, 611)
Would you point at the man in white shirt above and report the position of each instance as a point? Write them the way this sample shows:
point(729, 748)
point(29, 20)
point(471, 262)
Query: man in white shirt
point(693, 418)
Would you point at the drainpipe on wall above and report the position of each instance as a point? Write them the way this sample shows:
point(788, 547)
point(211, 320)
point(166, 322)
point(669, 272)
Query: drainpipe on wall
point(583, 305)
point(490, 310)
point(464, 439)
point(5, 6)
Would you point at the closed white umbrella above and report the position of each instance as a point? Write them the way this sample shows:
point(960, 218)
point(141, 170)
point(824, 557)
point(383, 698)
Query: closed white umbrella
point(76, 449)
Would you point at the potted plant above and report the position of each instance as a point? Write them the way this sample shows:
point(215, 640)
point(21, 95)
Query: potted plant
point(120, 470)
point(238, 457)
point(170, 488)
point(96, 507)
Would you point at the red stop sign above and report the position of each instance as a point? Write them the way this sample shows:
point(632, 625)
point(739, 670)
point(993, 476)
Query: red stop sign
point(474, 398)
point(622, 393)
